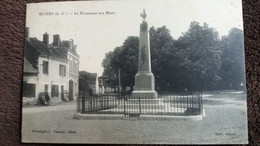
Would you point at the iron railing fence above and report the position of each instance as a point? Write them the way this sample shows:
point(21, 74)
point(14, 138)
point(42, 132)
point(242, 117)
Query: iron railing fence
point(128, 105)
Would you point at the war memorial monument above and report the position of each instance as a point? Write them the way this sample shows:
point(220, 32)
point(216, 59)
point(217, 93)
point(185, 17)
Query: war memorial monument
point(144, 79)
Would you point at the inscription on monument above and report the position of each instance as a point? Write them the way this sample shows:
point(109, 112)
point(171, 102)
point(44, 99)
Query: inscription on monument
point(143, 56)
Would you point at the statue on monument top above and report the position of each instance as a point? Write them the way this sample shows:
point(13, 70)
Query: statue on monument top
point(143, 15)
point(144, 23)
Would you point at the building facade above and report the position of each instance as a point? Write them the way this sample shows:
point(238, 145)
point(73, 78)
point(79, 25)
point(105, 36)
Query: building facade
point(47, 71)
point(89, 82)
point(68, 48)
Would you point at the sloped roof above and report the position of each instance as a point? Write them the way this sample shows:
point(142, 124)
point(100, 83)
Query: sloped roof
point(64, 47)
point(31, 54)
point(28, 67)
point(34, 48)
point(46, 49)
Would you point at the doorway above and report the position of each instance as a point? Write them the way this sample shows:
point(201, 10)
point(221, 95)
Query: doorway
point(70, 90)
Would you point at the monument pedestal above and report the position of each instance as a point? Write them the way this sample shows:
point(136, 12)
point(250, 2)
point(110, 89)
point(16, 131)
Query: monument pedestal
point(144, 85)
point(144, 94)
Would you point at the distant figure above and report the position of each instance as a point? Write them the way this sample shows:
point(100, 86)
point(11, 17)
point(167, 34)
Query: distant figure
point(186, 91)
point(44, 99)
point(90, 92)
point(143, 15)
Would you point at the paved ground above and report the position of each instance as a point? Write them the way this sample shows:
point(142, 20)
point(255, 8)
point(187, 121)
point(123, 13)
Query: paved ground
point(225, 122)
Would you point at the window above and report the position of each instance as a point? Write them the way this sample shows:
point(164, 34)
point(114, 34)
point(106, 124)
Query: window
point(28, 90)
point(45, 67)
point(62, 70)
point(70, 65)
point(46, 88)
point(54, 90)
point(77, 66)
point(62, 92)
point(74, 66)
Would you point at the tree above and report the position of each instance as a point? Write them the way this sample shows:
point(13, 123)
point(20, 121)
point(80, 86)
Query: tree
point(124, 58)
point(192, 62)
point(199, 49)
point(129, 61)
point(84, 85)
point(232, 66)
point(110, 68)
point(162, 57)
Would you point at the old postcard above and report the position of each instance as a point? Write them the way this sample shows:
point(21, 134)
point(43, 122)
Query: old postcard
point(134, 72)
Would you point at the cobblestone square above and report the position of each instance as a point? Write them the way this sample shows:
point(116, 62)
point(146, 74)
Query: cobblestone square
point(225, 122)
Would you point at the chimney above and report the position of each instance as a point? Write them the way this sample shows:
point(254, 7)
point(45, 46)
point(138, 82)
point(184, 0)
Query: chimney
point(56, 40)
point(72, 41)
point(67, 44)
point(27, 33)
point(75, 48)
point(46, 38)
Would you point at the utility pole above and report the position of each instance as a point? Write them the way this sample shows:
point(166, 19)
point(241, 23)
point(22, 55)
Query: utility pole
point(119, 78)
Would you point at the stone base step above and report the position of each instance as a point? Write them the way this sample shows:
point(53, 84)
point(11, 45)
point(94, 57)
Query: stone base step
point(143, 106)
point(142, 101)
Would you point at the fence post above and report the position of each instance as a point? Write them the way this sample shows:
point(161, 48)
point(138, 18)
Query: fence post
point(201, 104)
point(91, 103)
point(78, 103)
point(187, 103)
point(139, 106)
point(124, 106)
point(83, 105)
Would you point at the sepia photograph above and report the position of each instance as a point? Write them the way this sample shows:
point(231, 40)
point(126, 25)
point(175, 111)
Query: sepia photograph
point(134, 72)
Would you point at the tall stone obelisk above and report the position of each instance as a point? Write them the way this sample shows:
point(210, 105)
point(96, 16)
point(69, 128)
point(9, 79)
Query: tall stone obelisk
point(144, 79)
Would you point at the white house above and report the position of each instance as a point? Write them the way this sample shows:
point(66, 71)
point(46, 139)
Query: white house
point(70, 51)
point(46, 70)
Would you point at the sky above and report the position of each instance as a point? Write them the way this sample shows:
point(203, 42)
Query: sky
point(97, 27)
